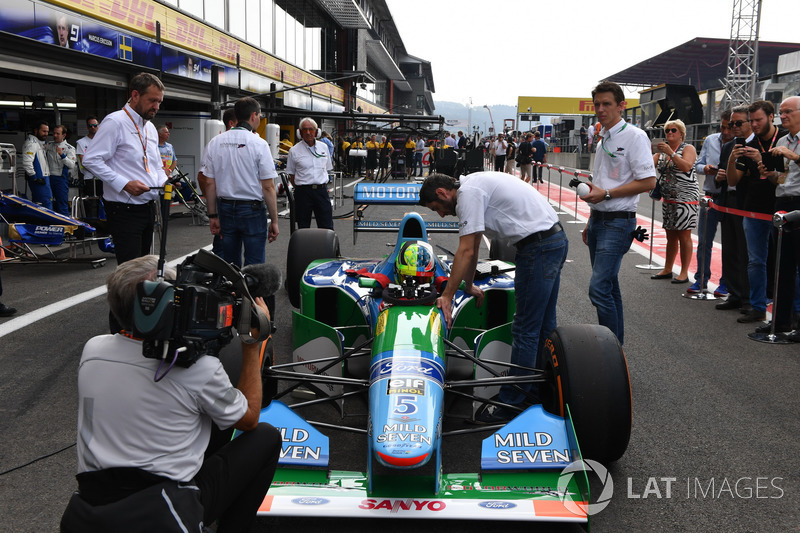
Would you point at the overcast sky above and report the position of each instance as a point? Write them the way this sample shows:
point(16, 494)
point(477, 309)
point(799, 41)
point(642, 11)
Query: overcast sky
point(495, 51)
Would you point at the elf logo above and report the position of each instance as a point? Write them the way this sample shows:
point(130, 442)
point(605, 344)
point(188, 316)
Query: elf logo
point(395, 506)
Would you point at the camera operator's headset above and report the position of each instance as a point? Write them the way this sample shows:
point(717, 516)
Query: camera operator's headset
point(214, 263)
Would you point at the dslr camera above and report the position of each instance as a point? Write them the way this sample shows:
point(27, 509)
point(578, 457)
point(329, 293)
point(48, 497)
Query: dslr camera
point(194, 315)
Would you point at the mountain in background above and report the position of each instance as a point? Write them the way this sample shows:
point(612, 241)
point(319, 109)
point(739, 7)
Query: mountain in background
point(457, 116)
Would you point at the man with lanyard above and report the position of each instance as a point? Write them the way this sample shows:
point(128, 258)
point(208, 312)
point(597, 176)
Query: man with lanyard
point(499, 204)
point(124, 155)
point(61, 160)
point(623, 168)
point(308, 165)
point(34, 162)
point(708, 165)
point(80, 149)
point(759, 198)
point(240, 171)
point(787, 198)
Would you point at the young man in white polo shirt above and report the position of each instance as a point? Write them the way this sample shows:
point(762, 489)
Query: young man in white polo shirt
point(502, 205)
point(623, 168)
point(240, 172)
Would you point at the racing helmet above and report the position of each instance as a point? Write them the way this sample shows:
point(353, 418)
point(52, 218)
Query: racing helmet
point(415, 260)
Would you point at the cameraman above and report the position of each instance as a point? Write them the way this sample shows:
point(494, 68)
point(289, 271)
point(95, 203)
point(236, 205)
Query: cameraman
point(141, 443)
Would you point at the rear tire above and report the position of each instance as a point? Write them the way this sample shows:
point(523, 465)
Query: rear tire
point(502, 250)
point(589, 373)
point(307, 245)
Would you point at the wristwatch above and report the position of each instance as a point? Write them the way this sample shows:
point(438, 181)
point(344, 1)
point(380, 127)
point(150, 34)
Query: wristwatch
point(608, 195)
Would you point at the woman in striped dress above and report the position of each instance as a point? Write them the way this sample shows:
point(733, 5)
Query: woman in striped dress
point(680, 195)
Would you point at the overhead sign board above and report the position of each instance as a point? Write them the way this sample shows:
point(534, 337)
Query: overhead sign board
point(557, 105)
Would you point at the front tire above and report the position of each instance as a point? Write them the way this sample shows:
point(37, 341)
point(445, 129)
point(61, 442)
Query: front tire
point(589, 373)
point(307, 245)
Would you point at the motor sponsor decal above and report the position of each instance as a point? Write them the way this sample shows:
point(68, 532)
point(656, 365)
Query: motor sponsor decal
point(395, 224)
point(411, 367)
point(398, 506)
point(387, 193)
point(406, 386)
point(517, 446)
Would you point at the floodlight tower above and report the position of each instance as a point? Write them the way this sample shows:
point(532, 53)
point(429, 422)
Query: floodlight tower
point(742, 71)
point(490, 118)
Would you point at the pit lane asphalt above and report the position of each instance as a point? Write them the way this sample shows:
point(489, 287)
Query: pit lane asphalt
point(714, 445)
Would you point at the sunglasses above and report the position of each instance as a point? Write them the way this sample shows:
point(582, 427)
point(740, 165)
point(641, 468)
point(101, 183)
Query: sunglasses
point(92, 125)
point(671, 130)
point(738, 123)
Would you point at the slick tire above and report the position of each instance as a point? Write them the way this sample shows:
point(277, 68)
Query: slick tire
point(502, 250)
point(587, 371)
point(307, 245)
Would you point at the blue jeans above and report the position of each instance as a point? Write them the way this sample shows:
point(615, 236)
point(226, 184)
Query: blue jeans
point(243, 225)
point(757, 234)
point(60, 187)
point(40, 191)
point(707, 225)
point(608, 241)
point(536, 282)
point(418, 164)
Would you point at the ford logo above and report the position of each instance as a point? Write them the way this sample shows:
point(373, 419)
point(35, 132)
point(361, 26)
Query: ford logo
point(497, 505)
point(310, 500)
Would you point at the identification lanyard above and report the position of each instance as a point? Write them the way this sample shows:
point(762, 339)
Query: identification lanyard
point(314, 151)
point(143, 141)
point(603, 143)
point(771, 144)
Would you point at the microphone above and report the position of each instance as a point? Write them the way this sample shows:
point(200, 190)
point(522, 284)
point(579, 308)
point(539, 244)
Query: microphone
point(263, 280)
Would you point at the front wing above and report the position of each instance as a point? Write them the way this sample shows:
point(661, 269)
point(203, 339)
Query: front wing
point(522, 478)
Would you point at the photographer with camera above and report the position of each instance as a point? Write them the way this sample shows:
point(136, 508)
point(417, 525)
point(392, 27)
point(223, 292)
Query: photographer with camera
point(743, 172)
point(141, 442)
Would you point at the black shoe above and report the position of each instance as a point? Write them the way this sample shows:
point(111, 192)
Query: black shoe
point(6, 310)
point(793, 337)
point(729, 304)
point(753, 315)
point(661, 276)
point(677, 281)
point(767, 328)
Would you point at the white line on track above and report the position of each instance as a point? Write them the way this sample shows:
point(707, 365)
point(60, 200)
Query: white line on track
point(43, 312)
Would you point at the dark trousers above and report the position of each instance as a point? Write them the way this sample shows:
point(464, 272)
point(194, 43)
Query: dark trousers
point(734, 253)
point(234, 480)
point(131, 226)
point(499, 163)
point(314, 199)
point(789, 262)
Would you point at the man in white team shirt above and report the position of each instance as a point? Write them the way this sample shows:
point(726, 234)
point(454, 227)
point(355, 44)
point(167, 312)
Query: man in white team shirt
point(124, 154)
point(623, 168)
point(240, 172)
point(501, 205)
